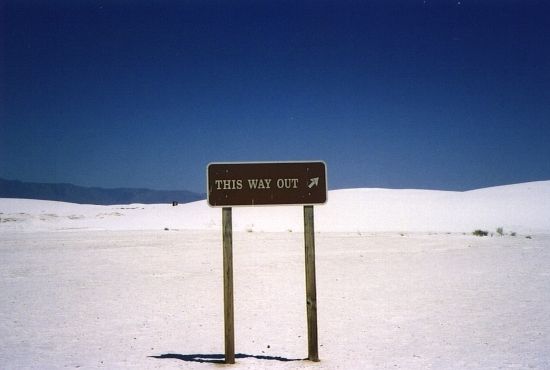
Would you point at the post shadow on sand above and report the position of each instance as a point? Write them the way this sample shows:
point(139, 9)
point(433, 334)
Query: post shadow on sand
point(220, 358)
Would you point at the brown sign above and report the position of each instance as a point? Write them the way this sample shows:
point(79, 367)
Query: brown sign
point(266, 183)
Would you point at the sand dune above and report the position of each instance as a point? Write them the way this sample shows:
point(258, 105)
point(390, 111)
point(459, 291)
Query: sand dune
point(520, 207)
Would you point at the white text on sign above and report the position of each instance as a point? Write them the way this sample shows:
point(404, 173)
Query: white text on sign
point(237, 184)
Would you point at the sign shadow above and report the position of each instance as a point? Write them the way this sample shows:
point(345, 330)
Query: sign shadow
point(220, 358)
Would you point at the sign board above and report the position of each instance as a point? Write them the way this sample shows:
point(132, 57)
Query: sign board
point(266, 183)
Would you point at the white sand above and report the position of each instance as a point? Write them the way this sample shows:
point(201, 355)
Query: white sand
point(111, 299)
point(521, 208)
point(83, 287)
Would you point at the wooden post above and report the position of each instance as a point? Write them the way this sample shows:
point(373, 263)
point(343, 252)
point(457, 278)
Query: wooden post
point(227, 231)
point(311, 290)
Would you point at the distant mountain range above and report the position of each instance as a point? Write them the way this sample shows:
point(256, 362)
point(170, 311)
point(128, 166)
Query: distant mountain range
point(93, 195)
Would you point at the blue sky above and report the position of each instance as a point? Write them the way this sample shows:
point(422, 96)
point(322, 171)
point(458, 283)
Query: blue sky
point(400, 94)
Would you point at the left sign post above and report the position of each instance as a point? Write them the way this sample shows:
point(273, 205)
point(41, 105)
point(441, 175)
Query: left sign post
point(229, 326)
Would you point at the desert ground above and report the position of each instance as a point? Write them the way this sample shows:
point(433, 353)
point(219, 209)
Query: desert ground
point(153, 299)
point(140, 286)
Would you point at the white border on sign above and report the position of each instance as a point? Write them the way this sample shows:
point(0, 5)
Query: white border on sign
point(268, 205)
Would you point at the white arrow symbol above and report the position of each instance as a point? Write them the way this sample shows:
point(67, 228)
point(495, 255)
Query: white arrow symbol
point(314, 182)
